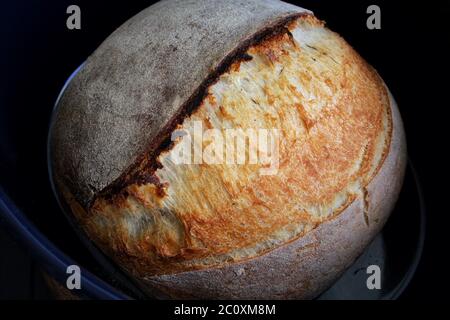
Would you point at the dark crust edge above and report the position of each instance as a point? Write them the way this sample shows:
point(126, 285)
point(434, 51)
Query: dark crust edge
point(141, 171)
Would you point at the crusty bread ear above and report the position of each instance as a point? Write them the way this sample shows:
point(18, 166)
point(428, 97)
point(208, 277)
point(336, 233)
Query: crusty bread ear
point(224, 230)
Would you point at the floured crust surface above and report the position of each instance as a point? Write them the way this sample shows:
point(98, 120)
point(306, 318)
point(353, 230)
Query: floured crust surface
point(141, 80)
point(334, 118)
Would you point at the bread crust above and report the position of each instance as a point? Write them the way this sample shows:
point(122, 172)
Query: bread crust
point(304, 268)
point(104, 149)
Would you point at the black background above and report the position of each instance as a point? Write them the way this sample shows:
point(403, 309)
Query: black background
point(38, 53)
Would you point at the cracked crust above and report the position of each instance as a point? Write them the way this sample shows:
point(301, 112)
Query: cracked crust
point(204, 231)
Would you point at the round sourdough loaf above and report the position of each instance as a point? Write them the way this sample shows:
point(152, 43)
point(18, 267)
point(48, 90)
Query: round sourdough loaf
point(228, 229)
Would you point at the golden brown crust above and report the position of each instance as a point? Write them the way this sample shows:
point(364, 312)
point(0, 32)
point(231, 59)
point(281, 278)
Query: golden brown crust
point(302, 268)
point(333, 114)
